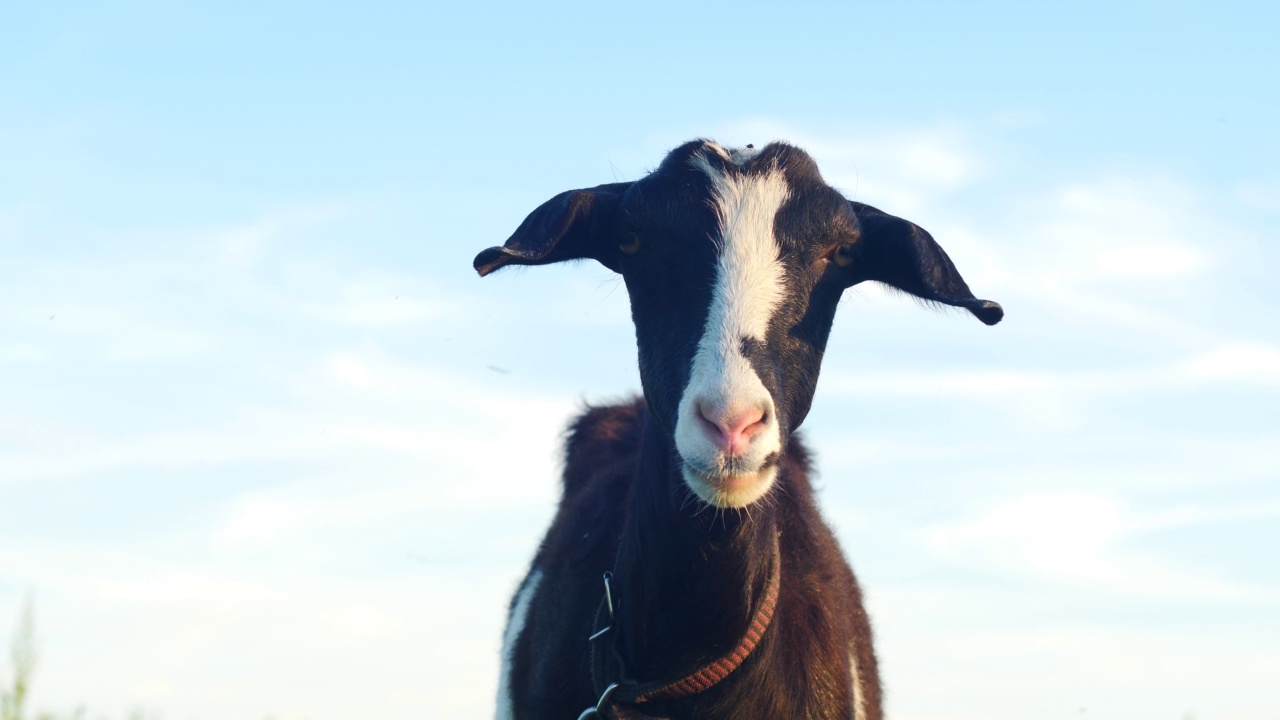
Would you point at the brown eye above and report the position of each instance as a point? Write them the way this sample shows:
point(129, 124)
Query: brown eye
point(843, 256)
point(630, 244)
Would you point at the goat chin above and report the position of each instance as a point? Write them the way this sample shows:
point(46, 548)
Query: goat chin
point(729, 491)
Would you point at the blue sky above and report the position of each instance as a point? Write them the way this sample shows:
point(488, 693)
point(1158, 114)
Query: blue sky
point(268, 447)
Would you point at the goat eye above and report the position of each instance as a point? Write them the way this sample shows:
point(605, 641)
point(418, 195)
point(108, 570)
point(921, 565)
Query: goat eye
point(843, 256)
point(630, 244)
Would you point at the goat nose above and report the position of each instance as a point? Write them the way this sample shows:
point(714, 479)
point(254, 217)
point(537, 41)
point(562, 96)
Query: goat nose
point(731, 429)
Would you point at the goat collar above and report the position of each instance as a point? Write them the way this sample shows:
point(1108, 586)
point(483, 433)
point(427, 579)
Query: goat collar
point(620, 695)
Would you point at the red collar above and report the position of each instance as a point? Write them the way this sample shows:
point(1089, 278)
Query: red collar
point(620, 696)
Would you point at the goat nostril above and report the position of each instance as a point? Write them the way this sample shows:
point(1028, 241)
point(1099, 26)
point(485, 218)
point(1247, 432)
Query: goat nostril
point(705, 415)
point(731, 430)
point(748, 424)
point(755, 427)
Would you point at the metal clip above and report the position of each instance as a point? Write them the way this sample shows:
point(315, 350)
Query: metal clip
point(608, 603)
point(594, 710)
point(608, 593)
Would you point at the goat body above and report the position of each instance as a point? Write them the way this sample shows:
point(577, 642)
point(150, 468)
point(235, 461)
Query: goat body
point(693, 497)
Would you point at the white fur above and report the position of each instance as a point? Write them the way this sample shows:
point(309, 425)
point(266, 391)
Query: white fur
point(515, 624)
point(737, 156)
point(748, 290)
point(859, 699)
point(715, 147)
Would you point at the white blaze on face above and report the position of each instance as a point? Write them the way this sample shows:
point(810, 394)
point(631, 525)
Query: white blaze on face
point(749, 287)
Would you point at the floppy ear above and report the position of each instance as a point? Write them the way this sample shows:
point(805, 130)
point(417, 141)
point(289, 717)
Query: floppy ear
point(569, 226)
point(902, 254)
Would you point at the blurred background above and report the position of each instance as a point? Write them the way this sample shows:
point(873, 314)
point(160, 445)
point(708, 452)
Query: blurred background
point(268, 448)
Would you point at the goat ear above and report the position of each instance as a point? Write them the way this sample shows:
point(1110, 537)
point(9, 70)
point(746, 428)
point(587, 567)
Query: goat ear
point(904, 255)
point(569, 226)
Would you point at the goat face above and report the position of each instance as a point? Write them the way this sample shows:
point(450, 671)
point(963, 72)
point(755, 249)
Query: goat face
point(734, 261)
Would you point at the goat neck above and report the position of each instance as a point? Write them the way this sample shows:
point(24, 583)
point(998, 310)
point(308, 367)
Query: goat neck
point(689, 574)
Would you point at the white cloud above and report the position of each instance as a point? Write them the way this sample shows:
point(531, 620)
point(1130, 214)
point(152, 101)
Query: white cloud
point(979, 652)
point(1232, 364)
point(437, 427)
point(468, 445)
point(86, 452)
point(1061, 535)
point(1128, 226)
point(260, 517)
point(1079, 538)
point(1254, 364)
point(1147, 260)
point(900, 171)
point(1058, 397)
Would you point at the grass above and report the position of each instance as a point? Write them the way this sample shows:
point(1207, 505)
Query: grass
point(22, 659)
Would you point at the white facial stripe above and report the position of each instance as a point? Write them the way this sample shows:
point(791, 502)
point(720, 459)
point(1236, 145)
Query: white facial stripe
point(515, 624)
point(749, 285)
point(747, 293)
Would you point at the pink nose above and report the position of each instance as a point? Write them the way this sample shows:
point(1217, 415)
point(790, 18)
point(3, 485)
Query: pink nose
point(731, 430)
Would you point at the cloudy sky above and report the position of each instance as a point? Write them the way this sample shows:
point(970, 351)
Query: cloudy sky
point(269, 448)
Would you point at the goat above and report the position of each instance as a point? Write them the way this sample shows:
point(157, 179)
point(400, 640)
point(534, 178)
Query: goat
point(641, 603)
